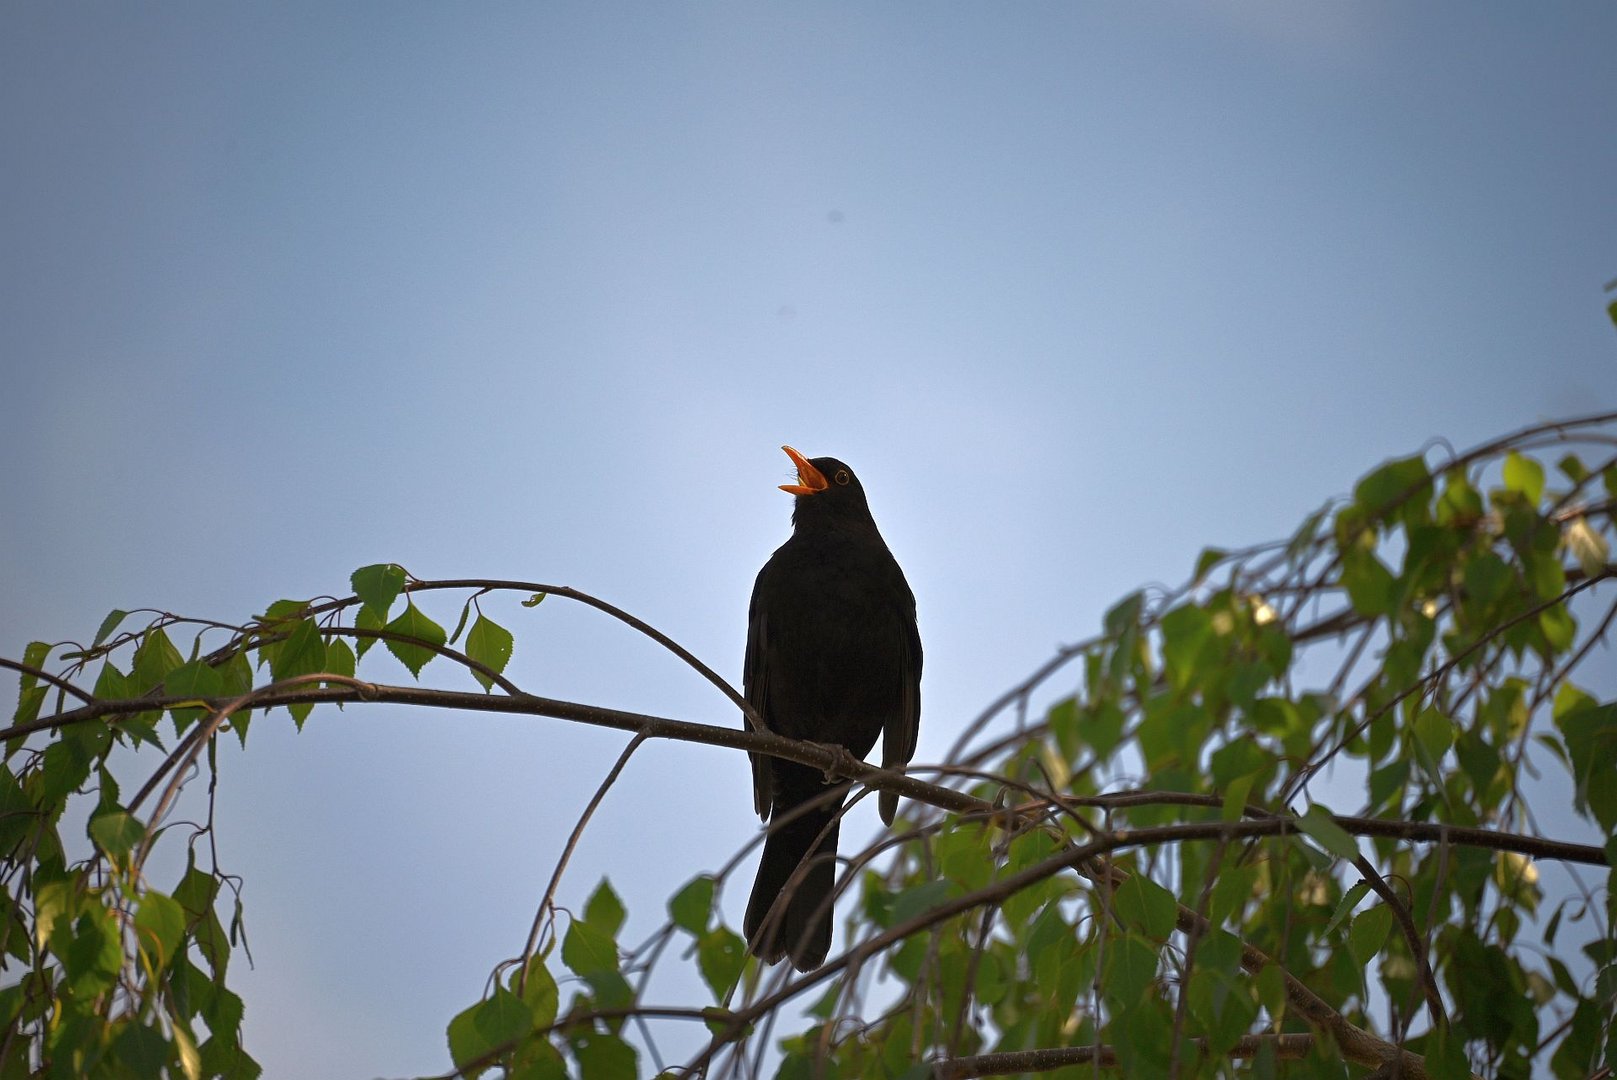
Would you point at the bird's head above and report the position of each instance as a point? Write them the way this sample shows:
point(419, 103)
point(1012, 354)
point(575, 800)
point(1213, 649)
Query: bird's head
point(827, 491)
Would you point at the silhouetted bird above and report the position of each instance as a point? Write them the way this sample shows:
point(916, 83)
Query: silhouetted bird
point(833, 656)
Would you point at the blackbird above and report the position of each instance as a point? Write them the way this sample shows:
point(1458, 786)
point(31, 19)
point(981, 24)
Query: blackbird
point(833, 656)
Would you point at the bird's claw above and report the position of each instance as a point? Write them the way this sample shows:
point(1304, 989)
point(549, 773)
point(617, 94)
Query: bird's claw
point(843, 763)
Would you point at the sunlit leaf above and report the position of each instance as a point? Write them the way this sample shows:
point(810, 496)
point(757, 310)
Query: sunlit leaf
point(159, 924)
point(1587, 545)
point(1525, 476)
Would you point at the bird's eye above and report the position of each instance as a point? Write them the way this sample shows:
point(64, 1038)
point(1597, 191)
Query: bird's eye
point(842, 476)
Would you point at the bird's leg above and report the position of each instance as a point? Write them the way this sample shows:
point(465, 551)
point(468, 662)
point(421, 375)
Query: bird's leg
point(843, 763)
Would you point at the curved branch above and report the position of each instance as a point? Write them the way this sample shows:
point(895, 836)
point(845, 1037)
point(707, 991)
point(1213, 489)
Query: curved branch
point(44, 676)
point(817, 756)
point(567, 854)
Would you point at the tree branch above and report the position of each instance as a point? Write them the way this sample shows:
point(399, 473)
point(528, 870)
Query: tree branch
point(1287, 1047)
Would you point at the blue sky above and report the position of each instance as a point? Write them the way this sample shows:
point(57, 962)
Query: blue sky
point(538, 291)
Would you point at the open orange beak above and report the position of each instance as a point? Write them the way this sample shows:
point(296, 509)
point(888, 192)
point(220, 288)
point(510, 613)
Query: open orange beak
point(810, 481)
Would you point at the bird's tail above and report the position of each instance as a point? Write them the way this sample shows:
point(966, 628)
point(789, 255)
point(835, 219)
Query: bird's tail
point(799, 926)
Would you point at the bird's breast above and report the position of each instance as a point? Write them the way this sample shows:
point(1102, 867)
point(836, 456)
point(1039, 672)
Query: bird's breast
point(836, 617)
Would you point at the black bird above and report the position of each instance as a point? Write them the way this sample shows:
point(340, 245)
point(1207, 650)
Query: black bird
point(833, 656)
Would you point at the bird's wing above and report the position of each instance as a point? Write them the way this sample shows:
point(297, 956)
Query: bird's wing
point(755, 687)
point(899, 734)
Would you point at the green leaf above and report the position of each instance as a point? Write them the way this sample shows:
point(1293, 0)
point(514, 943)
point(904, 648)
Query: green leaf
point(108, 625)
point(223, 1013)
point(604, 910)
point(154, 659)
point(1235, 797)
point(378, 586)
point(1461, 504)
point(540, 993)
point(1370, 585)
point(919, 899)
point(1131, 965)
point(116, 833)
point(1144, 904)
point(1185, 630)
point(1389, 486)
point(193, 679)
point(1486, 578)
point(1105, 728)
point(1124, 614)
point(30, 693)
point(1591, 742)
point(1322, 828)
point(485, 1027)
point(610, 990)
point(691, 907)
point(412, 623)
point(1559, 627)
point(721, 956)
point(489, 644)
point(1369, 933)
point(34, 654)
point(604, 1056)
point(1434, 734)
point(160, 925)
point(964, 855)
point(89, 949)
point(235, 679)
point(587, 949)
point(140, 1050)
point(1209, 558)
point(111, 684)
point(534, 600)
point(1350, 900)
point(196, 892)
point(302, 653)
point(339, 658)
point(65, 768)
point(1524, 475)
point(367, 620)
point(1062, 720)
